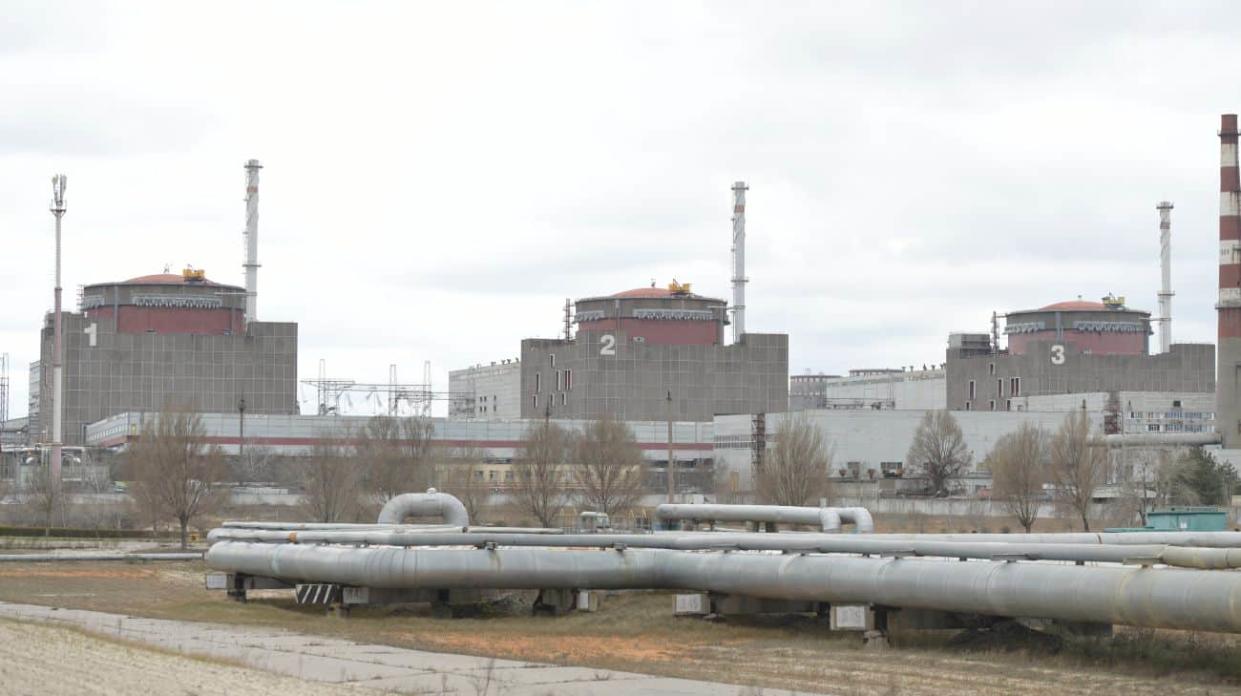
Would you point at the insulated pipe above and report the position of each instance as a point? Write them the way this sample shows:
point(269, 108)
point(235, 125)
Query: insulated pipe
point(827, 518)
point(431, 503)
point(1166, 598)
point(1202, 558)
point(131, 557)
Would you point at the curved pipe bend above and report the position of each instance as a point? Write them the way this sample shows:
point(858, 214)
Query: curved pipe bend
point(429, 504)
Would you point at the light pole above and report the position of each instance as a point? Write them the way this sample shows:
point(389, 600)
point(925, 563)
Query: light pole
point(58, 384)
point(672, 463)
point(241, 428)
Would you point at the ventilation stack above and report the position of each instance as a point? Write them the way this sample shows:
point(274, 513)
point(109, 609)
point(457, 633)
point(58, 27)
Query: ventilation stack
point(739, 279)
point(1228, 350)
point(1165, 271)
point(252, 239)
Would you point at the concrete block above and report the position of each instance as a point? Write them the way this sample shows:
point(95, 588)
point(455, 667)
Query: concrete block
point(697, 604)
point(852, 617)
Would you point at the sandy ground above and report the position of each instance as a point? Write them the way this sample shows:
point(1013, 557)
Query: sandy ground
point(36, 659)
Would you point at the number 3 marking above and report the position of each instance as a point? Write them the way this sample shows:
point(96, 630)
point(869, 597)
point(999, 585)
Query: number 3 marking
point(1057, 354)
point(607, 344)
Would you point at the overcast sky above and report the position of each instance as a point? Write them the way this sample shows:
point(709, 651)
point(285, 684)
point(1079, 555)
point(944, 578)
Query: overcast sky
point(439, 177)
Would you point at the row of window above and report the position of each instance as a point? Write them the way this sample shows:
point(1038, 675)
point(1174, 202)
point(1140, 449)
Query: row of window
point(1014, 387)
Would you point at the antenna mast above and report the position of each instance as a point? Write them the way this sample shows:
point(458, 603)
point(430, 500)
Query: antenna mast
point(57, 207)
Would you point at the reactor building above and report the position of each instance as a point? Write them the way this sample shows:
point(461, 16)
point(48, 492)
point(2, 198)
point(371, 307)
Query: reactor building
point(162, 341)
point(1082, 354)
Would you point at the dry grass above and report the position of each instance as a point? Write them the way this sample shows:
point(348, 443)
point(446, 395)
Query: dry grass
point(636, 632)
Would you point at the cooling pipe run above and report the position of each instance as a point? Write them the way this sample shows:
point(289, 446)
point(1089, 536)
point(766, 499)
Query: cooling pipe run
point(429, 504)
point(1164, 598)
point(829, 519)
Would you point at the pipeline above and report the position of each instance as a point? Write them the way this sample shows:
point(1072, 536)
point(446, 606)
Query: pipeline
point(1165, 598)
point(130, 557)
point(431, 503)
point(829, 519)
point(1188, 557)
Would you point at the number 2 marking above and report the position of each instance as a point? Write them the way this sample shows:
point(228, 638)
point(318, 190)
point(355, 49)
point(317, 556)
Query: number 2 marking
point(607, 344)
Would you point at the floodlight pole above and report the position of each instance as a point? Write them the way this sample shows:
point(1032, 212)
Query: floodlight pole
point(58, 382)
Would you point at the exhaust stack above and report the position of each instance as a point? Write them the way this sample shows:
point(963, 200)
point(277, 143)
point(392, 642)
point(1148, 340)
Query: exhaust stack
point(739, 279)
point(1165, 271)
point(252, 239)
point(1228, 350)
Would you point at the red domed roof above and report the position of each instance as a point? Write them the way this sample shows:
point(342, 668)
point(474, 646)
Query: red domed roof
point(645, 292)
point(167, 279)
point(1075, 306)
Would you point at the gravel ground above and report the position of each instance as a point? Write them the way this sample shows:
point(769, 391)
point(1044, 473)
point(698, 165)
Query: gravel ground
point(47, 660)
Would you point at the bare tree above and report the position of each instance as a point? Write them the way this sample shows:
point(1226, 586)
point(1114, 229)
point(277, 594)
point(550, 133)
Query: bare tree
point(460, 473)
point(329, 482)
point(174, 469)
point(540, 471)
point(796, 470)
point(938, 450)
point(41, 494)
point(395, 455)
point(1078, 462)
point(608, 467)
point(1019, 468)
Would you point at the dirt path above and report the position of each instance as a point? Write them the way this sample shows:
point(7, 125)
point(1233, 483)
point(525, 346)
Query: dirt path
point(38, 659)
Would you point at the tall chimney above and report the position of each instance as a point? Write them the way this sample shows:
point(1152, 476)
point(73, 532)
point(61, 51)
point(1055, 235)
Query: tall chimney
point(739, 279)
point(1165, 271)
point(252, 239)
point(1228, 350)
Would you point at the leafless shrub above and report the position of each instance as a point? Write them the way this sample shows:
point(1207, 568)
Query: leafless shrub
point(329, 482)
point(540, 471)
point(460, 473)
point(938, 450)
point(1078, 462)
point(173, 469)
point(796, 470)
point(395, 455)
point(609, 468)
point(1019, 467)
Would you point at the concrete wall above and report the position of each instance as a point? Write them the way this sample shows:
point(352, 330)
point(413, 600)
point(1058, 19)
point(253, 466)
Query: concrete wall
point(149, 371)
point(1188, 369)
point(485, 391)
point(610, 374)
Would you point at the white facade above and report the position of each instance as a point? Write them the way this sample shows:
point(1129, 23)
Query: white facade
point(487, 392)
point(1142, 411)
point(861, 441)
point(870, 389)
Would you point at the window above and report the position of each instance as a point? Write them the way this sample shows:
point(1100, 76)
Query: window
point(967, 406)
point(1014, 386)
point(551, 359)
point(1176, 403)
point(534, 401)
point(508, 476)
point(972, 393)
point(563, 398)
point(568, 380)
point(991, 369)
point(559, 381)
point(491, 475)
point(478, 475)
point(999, 387)
point(993, 404)
point(1008, 405)
point(538, 382)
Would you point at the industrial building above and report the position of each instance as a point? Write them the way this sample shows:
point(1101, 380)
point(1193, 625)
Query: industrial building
point(886, 388)
point(1081, 354)
point(165, 340)
point(645, 354)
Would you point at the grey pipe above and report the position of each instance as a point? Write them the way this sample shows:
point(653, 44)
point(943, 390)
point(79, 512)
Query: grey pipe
point(828, 519)
point(1183, 599)
point(131, 557)
point(1202, 558)
point(1202, 539)
point(431, 503)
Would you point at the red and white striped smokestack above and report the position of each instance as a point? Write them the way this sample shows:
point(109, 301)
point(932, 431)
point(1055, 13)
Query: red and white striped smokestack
point(1228, 350)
